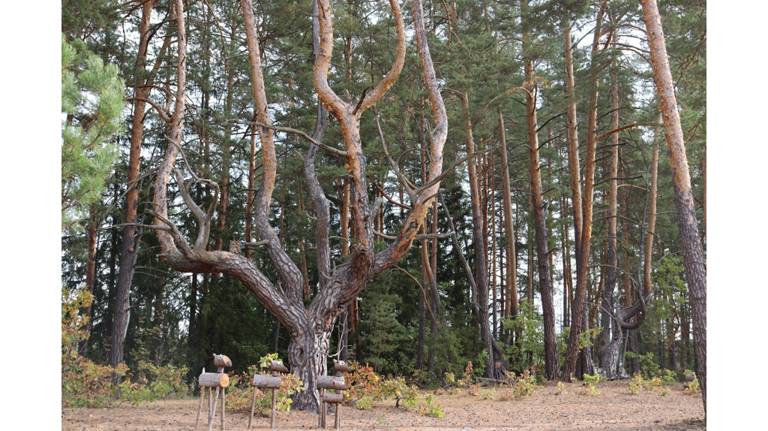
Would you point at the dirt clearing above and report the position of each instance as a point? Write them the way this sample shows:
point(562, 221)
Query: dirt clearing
point(613, 409)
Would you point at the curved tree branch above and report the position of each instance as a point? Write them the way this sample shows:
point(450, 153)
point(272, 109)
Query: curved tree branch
point(425, 196)
point(291, 277)
point(373, 96)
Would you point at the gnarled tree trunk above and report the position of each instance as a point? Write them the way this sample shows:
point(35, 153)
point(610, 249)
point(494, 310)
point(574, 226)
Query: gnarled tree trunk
point(309, 327)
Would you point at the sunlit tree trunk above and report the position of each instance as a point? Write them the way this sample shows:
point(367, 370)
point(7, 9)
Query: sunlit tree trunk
point(693, 254)
point(129, 245)
point(585, 232)
point(510, 281)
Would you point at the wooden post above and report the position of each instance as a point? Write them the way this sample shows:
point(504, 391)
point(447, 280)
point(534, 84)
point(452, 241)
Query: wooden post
point(212, 414)
point(253, 406)
point(223, 401)
point(338, 412)
point(323, 409)
point(199, 407)
point(272, 418)
point(210, 405)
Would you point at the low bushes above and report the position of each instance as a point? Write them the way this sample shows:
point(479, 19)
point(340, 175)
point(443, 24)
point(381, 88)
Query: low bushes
point(240, 390)
point(365, 387)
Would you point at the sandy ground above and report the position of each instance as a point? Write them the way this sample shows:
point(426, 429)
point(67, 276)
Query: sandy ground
point(613, 409)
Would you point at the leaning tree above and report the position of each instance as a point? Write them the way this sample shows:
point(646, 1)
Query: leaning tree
point(309, 326)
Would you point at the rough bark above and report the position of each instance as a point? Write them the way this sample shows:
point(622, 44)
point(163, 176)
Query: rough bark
point(650, 233)
point(574, 165)
point(478, 239)
point(250, 195)
point(492, 209)
point(583, 244)
point(539, 209)
point(319, 200)
point(129, 245)
point(309, 327)
point(90, 272)
point(289, 275)
point(693, 254)
point(611, 335)
point(567, 273)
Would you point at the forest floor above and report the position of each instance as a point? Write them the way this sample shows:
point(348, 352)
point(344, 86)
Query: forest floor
point(614, 408)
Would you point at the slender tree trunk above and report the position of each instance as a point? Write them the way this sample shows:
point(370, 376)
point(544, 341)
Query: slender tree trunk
point(303, 249)
point(225, 155)
point(250, 194)
point(585, 231)
point(626, 240)
point(111, 278)
point(478, 240)
point(129, 247)
point(494, 258)
point(611, 336)
point(567, 273)
point(693, 254)
point(650, 233)
point(530, 240)
point(90, 273)
point(510, 309)
point(685, 337)
point(539, 209)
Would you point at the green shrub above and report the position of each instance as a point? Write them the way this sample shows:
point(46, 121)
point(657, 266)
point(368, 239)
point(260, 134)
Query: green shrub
point(364, 403)
point(590, 385)
point(692, 388)
point(591, 379)
point(668, 377)
point(396, 388)
point(410, 404)
point(240, 390)
point(431, 408)
point(648, 365)
point(366, 386)
point(449, 378)
point(525, 386)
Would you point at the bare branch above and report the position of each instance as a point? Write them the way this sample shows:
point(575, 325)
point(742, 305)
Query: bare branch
point(335, 151)
point(203, 218)
point(616, 130)
point(160, 110)
point(418, 237)
point(404, 181)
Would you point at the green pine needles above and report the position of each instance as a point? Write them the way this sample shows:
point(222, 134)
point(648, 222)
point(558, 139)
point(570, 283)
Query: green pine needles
point(91, 106)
